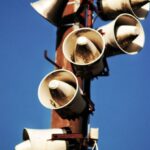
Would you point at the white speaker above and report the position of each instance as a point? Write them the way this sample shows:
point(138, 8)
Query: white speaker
point(51, 10)
point(40, 139)
point(111, 9)
point(84, 49)
point(124, 35)
point(59, 90)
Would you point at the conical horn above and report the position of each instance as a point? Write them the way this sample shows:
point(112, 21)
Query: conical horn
point(85, 51)
point(51, 10)
point(40, 139)
point(31, 134)
point(84, 48)
point(109, 10)
point(132, 33)
point(123, 35)
point(59, 90)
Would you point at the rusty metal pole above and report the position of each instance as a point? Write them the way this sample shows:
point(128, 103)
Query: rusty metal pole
point(90, 14)
point(78, 125)
point(75, 125)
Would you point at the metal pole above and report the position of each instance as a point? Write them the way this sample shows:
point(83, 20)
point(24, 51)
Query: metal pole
point(78, 125)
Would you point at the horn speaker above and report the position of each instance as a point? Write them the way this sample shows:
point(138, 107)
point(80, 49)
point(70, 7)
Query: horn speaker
point(59, 90)
point(111, 9)
point(51, 10)
point(84, 49)
point(124, 35)
point(40, 139)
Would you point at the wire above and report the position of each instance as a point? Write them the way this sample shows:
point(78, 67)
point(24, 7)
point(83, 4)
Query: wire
point(95, 146)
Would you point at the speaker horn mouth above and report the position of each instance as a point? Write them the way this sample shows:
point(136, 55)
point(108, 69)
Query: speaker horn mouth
point(83, 46)
point(59, 90)
point(134, 37)
point(49, 84)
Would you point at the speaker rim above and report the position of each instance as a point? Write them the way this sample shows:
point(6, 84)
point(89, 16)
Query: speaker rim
point(45, 77)
point(92, 62)
point(141, 33)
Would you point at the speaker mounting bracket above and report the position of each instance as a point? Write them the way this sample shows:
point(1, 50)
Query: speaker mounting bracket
point(50, 60)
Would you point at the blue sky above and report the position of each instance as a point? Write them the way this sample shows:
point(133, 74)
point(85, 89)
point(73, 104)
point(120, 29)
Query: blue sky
point(122, 100)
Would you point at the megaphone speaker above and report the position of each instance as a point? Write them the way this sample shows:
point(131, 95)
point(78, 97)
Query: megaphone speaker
point(84, 48)
point(124, 35)
point(51, 10)
point(110, 10)
point(59, 90)
point(41, 139)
